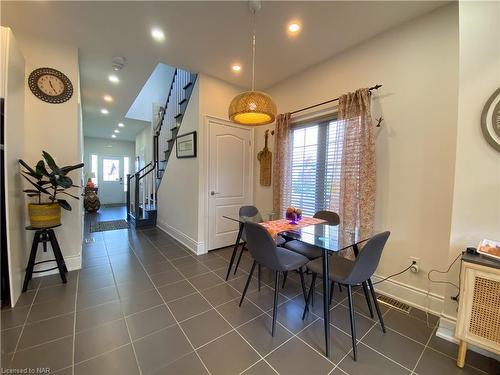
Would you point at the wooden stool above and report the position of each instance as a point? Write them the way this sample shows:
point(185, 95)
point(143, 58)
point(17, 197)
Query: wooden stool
point(44, 235)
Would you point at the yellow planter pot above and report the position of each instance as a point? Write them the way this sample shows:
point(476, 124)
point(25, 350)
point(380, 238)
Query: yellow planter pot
point(44, 215)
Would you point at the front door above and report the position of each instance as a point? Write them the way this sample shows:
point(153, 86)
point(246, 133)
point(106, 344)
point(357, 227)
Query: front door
point(111, 181)
point(230, 179)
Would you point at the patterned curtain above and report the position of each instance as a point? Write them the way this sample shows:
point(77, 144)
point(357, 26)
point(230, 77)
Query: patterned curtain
point(356, 206)
point(281, 172)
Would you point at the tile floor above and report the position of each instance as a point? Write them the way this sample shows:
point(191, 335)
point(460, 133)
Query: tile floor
point(143, 304)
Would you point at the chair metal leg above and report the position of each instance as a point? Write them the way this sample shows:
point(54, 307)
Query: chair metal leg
point(309, 295)
point(285, 275)
point(248, 282)
point(276, 293)
point(239, 258)
point(258, 271)
point(367, 297)
point(313, 293)
point(353, 322)
point(235, 249)
point(303, 283)
point(331, 292)
point(377, 307)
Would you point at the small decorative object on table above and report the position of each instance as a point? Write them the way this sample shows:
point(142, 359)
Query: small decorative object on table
point(293, 214)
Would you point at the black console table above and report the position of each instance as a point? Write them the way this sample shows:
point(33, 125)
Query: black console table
point(44, 235)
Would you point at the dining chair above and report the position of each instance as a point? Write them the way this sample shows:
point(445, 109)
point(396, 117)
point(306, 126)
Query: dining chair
point(265, 252)
point(251, 213)
point(351, 273)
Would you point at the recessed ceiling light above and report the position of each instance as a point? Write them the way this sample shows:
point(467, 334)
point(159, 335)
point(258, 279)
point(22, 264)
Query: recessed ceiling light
point(236, 68)
point(104, 111)
point(121, 125)
point(117, 131)
point(108, 98)
point(158, 34)
point(113, 136)
point(113, 78)
point(294, 27)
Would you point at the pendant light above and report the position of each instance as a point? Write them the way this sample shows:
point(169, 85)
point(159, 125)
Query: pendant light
point(252, 107)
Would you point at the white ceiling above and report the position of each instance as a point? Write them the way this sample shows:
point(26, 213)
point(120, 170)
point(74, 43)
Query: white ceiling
point(202, 37)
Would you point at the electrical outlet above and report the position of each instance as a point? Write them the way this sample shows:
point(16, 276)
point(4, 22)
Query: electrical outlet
point(416, 264)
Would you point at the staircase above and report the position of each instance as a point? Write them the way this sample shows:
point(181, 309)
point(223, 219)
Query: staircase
point(142, 186)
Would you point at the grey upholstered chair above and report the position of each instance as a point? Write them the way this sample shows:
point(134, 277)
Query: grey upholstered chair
point(349, 273)
point(266, 253)
point(251, 213)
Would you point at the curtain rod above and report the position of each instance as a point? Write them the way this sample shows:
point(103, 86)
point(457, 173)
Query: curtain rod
point(376, 87)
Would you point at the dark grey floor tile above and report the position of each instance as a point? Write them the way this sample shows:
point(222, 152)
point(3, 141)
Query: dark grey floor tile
point(26, 298)
point(215, 263)
point(176, 290)
point(265, 298)
point(370, 362)
point(129, 289)
point(221, 272)
point(172, 252)
point(239, 315)
point(161, 348)
point(141, 301)
point(159, 267)
point(258, 333)
point(168, 277)
point(290, 315)
point(14, 317)
point(97, 315)
point(230, 346)
point(260, 368)
point(119, 249)
point(433, 362)
point(57, 293)
point(392, 344)
point(184, 261)
point(190, 364)
point(220, 294)
point(93, 272)
point(205, 327)
point(100, 339)
point(150, 258)
point(340, 343)
point(92, 262)
point(191, 270)
point(149, 321)
point(205, 281)
point(295, 357)
point(96, 297)
point(340, 318)
point(291, 289)
point(189, 306)
point(120, 362)
point(54, 355)
point(55, 279)
point(46, 330)
point(432, 319)
point(101, 281)
point(361, 306)
point(51, 309)
point(9, 339)
point(408, 326)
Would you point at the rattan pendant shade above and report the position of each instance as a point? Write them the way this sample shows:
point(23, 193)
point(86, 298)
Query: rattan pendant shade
point(252, 108)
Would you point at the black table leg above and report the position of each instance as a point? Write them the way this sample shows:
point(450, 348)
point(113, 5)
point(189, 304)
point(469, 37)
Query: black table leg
point(58, 255)
point(31, 262)
point(238, 238)
point(326, 307)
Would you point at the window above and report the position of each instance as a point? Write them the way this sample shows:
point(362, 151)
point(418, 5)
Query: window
point(110, 170)
point(93, 168)
point(316, 154)
point(126, 171)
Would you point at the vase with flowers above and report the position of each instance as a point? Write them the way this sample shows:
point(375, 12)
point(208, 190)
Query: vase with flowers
point(293, 214)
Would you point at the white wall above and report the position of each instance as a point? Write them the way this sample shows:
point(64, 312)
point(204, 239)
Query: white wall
point(56, 128)
point(182, 193)
point(144, 146)
point(12, 89)
point(476, 197)
point(417, 64)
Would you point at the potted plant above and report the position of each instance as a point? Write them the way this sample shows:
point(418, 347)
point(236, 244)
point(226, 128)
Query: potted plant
point(49, 182)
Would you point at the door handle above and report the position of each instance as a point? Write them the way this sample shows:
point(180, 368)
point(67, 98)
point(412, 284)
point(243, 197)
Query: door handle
point(214, 193)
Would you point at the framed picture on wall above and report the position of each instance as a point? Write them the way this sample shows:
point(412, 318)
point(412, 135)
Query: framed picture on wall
point(186, 145)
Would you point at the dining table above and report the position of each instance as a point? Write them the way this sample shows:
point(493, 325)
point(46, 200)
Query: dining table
point(328, 238)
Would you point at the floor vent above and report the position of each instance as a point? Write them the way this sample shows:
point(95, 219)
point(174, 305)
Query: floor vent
point(90, 240)
point(394, 303)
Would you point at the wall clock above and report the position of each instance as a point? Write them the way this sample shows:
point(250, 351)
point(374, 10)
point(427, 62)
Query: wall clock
point(490, 120)
point(50, 85)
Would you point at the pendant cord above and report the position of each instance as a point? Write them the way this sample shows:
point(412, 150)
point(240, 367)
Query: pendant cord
point(253, 52)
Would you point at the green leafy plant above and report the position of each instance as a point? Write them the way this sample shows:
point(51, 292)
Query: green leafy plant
point(49, 180)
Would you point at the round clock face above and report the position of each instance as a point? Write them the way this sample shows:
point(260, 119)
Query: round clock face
point(490, 120)
point(50, 85)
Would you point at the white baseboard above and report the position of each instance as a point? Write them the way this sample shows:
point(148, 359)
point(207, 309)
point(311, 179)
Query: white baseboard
point(446, 331)
point(72, 264)
point(196, 247)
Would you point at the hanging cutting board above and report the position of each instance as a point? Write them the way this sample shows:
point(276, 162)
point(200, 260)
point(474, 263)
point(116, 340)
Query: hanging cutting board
point(265, 158)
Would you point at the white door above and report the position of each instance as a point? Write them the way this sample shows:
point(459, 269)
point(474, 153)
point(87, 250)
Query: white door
point(111, 180)
point(230, 179)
